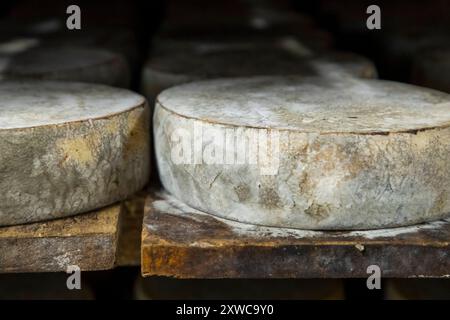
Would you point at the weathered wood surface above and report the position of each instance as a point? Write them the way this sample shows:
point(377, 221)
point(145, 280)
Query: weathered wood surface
point(88, 240)
point(182, 242)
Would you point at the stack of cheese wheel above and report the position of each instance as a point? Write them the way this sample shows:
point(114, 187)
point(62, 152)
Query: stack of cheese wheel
point(307, 152)
point(239, 59)
point(25, 58)
point(431, 68)
point(68, 148)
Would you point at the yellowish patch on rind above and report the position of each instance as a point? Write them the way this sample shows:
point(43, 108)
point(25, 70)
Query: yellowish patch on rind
point(137, 126)
point(79, 150)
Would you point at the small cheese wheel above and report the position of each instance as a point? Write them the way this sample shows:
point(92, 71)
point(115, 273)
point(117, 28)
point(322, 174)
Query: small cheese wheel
point(113, 39)
point(63, 63)
point(310, 153)
point(431, 68)
point(219, 61)
point(68, 148)
point(54, 32)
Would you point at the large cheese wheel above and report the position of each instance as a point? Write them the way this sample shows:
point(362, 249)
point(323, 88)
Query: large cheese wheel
point(31, 61)
point(233, 60)
point(309, 153)
point(67, 148)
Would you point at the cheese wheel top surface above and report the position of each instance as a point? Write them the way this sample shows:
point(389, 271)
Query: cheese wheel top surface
point(26, 104)
point(34, 61)
point(311, 104)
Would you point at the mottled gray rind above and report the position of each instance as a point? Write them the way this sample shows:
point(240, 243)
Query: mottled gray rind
point(388, 167)
point(55, 170)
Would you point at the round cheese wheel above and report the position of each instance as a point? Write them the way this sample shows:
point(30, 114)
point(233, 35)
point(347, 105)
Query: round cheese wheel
point(113, 39)
point(68, 148)
point(31, 61)
point(233, 60)
point(307, 152)
point(54, 32)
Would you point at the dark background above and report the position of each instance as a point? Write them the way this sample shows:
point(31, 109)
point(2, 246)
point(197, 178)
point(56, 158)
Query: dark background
point(344, 19)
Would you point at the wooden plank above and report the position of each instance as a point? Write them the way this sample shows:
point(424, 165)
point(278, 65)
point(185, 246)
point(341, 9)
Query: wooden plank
point(88, 241)
point(182, 242)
